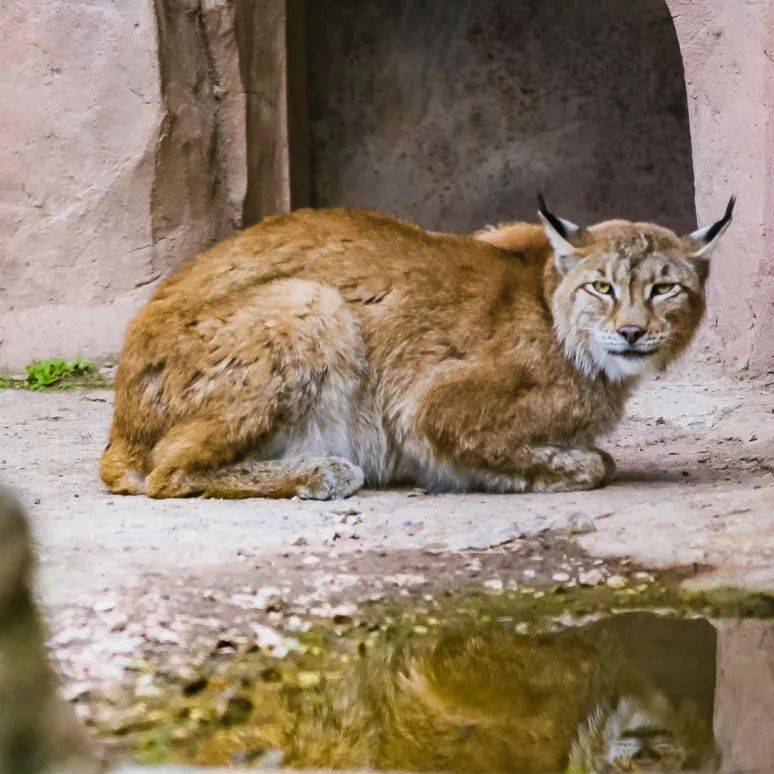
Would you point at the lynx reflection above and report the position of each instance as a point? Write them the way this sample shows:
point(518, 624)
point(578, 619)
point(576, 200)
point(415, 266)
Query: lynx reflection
point(630, 693)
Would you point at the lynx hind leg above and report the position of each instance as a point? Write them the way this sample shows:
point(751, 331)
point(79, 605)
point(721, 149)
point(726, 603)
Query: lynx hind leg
point(123, 467)
point(263, 387)
point(310, 478)
point(546, 469)
point(197, 458)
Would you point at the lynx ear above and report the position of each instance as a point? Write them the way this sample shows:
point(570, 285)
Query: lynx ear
point(701, 242)
point(563, 236)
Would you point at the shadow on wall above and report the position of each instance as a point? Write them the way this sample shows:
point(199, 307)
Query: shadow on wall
point(453, 114)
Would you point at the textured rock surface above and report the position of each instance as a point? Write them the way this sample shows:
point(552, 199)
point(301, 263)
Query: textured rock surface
point(454, 115)
point(123, 153)
point(729, 69)
point(77, 154)
point(37, 730)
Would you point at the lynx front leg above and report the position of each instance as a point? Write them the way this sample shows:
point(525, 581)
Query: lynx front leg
point(310, 478)
point(488, 433)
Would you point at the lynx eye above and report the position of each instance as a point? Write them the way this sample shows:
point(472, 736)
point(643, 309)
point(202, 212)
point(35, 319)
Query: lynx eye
point(662, 288)
point(605, 288)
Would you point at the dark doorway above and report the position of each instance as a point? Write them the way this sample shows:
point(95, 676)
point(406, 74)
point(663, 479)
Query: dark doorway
point(452, 114)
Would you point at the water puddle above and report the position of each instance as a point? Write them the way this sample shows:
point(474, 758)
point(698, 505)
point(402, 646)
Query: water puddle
point(574, 682)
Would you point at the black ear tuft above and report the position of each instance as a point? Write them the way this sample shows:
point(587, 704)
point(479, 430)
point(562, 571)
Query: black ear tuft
point(717, 227)
point(550, 217)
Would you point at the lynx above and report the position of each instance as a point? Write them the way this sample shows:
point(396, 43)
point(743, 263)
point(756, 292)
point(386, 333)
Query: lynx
point(321, 350)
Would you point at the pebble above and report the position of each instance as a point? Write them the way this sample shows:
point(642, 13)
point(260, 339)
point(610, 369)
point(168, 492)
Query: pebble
point(590, 578)
point(561, 577)
point(272, 641)
point(616, 582)
point(494, 584)
point(267, 596)
point(105, 604)
point(346, 512)
point(405, 579)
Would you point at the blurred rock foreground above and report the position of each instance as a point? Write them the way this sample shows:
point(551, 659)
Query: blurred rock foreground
point(38, 731)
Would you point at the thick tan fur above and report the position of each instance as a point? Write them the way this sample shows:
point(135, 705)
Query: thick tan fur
point(320, 349)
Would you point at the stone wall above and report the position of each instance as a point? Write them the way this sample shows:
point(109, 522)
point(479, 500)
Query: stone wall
point(136, 133)
point(133, 136)
point(729, 68)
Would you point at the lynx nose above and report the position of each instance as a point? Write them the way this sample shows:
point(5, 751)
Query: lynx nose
point(632, 333)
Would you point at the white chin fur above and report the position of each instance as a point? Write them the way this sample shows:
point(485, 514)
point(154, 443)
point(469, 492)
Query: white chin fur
point(590, 356)
point(619, 369)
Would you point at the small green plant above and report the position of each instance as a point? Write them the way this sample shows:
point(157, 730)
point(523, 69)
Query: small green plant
point(46, 373)
point(59, 374)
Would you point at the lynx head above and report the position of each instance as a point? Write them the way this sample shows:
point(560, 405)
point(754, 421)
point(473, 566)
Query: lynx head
point(646, 733)
point(629, 296)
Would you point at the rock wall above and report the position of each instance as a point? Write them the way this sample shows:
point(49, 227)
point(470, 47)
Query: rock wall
point(127, 146)
point(137, 133)
point(729, 68)
point(82, 113)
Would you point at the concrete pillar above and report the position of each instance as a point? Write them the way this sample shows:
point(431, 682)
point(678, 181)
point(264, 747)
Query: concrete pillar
point(744, 695)
point(727, 50)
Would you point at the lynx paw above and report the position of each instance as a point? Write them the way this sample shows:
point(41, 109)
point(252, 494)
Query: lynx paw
point(577, 470)
point(332, 478)
point(162, 483)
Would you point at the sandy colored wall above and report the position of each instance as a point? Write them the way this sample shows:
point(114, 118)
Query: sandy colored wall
point(136, 133)
point(81, 115)
point(129, 141)
point(729, 68)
